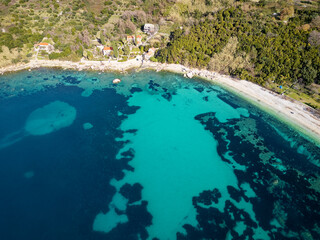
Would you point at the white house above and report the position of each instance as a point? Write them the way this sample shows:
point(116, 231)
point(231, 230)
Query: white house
point(150, 53)
point(107, 51)
point(43, 46)
point(149, 28)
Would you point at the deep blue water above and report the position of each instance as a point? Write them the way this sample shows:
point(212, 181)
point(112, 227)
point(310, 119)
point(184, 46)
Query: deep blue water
point(70, 182)
point(166, 158)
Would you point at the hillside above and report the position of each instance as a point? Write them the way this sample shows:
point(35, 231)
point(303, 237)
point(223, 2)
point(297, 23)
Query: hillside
point(274, 43)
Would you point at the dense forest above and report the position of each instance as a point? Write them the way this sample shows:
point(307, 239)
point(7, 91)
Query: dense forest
point(259, 49)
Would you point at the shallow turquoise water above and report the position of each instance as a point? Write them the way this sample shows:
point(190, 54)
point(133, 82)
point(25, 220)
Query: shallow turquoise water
point(155, 157)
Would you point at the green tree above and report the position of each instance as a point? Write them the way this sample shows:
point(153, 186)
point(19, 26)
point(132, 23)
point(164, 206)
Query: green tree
point(208, 2)
point(115, 50)
point(309, 74)
point(89, 55)
point(126, 50)
point(103, 42)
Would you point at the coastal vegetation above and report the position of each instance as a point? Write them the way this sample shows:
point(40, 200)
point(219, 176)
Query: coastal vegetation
point(237, 43)
point(274, 43)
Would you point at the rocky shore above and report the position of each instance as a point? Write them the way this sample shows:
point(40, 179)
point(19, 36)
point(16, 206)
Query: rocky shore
point(297, 114)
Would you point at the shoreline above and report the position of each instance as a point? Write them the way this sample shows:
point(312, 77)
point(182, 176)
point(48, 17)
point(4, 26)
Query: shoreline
point(298, 115)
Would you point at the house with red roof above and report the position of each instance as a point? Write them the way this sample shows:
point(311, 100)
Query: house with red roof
point(130, 39)
point(139, 40)
point(107, 50)
point(43, 46)
point(134, 40)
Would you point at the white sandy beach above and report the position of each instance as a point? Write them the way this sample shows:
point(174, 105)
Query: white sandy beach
point(297, 114)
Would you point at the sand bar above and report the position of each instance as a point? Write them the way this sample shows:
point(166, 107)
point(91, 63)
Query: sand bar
point(298, 115)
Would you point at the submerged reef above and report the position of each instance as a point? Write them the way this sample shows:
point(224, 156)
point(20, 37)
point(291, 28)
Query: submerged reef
point(50, 118)
point(44, 120)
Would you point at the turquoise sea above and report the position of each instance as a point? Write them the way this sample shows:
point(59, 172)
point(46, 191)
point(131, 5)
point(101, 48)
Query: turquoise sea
point(157, 156)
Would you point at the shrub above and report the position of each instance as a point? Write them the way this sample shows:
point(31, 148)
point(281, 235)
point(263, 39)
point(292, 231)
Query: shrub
point(15, 60)
point(54, 56)
point(309, 74)
point(153, 59)
point(208, 2)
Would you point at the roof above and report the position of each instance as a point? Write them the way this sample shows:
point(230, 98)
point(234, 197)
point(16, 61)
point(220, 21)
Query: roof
point(130, 36)
point(43, 44)
point(107, 48)
point(139, 36)
point(151, 51)
point(148, 25)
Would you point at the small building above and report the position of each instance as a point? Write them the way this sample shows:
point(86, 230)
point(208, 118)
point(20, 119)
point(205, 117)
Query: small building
point(149, 28)
point(134, 40)
point(43, 46)
point(150, 53)
point(139, 40)
point(107, 50)
point(130, 39)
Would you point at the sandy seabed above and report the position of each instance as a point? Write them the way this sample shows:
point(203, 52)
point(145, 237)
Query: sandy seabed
point(295, 113)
